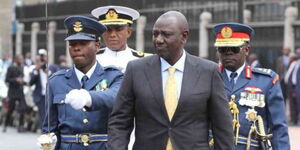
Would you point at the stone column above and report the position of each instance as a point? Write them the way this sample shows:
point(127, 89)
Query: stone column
point(51, 42)
point(19, 41)
point(6, 16)
point(205, 19)
point(35, 28)
point(141, 24)
point(289, 36)
point(247, 16)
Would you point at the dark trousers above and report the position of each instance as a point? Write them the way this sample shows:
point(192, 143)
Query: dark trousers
point(41, 110)
point(11, 108)
point(294, 110)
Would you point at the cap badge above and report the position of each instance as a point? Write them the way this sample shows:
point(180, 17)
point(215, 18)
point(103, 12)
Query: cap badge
point(226, 32)
point(77, 26)
point(111, 14)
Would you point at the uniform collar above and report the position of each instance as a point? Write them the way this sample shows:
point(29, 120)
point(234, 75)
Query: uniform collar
point(238, 71)
point(127, 51)
point(80, 74)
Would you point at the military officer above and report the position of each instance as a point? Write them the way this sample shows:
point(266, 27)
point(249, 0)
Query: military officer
point(118, 20)
point(81, 98)
point(254, 94)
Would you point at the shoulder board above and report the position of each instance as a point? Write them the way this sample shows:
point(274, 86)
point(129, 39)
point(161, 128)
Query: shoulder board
point(60, 72)
point(263, 71)
point(267, 72)
point(101, 51)
point(139, 53)
point(111, 67)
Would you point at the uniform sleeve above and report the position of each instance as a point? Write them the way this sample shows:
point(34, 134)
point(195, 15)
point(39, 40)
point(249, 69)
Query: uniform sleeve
point(220, 115)
point(277, 118)
point(106, 99)
point(52, 115)
point(120, 123)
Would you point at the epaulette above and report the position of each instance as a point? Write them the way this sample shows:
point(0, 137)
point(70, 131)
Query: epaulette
point(60, 72)
point(101, 51)
point(140, 53)
point(263, 71)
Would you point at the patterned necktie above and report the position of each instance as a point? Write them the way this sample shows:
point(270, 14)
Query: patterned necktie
point(84, 80)
point(171, 99)
point(231, 82)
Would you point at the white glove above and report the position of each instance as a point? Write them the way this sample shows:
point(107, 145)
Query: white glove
point(78, 98)
point(46, 140)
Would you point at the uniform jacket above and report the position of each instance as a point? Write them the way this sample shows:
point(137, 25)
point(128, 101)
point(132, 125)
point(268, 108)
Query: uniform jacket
point(119, 59)
point(66, 120)
point(273, 113)
point(201, 103)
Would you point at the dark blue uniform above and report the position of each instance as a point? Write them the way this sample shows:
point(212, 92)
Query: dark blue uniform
point(67, 122)
point(259, 88)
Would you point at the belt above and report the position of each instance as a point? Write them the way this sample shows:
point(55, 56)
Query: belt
point(84, 138)
point(243, 140)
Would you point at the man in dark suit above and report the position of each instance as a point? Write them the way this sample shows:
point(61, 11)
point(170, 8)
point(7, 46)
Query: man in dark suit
point(14, 78)
point(39, 80)
point(254, 94)
point(174, 97)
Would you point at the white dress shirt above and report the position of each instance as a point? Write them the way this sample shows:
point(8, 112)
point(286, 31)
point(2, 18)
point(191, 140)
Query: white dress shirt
point(179, 65)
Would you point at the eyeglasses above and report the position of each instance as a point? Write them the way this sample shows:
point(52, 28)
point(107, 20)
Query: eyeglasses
point(225, 49)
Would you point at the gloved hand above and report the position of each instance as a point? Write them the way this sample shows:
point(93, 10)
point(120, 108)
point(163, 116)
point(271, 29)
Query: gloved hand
point(47, 141)
point(78, 98)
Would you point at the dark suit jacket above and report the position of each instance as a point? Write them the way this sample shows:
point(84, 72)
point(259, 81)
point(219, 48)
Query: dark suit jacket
point(36, 80)
point(15, 89)
point(202, 103)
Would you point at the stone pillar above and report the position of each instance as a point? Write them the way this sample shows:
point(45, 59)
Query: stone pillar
point(19, 41)
point(51, 42)
point(141, 24)
point(35, 28)
point(205, 19)
point(247, 16)
point(6, 17)
point(289, 36)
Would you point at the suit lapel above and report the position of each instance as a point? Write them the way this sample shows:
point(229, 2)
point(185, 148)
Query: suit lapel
point(225, 80)
point(154, 76)
point(95, 78)
point(72, 79)
point(241, 82)
point(189, 79)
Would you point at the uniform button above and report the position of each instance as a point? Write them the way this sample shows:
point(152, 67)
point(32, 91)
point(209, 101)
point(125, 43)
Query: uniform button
point(85, 121)
point(170, 128)
point(83, 109)
point(62, 101)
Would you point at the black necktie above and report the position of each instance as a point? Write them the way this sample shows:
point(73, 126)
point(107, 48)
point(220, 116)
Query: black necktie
point(84, 80)
point(231, 82)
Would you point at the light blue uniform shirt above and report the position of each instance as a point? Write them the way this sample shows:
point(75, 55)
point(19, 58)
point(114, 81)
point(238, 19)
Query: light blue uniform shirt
point(238, 71)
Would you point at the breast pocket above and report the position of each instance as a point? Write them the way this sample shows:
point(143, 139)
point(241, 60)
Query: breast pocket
point(59, 102)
